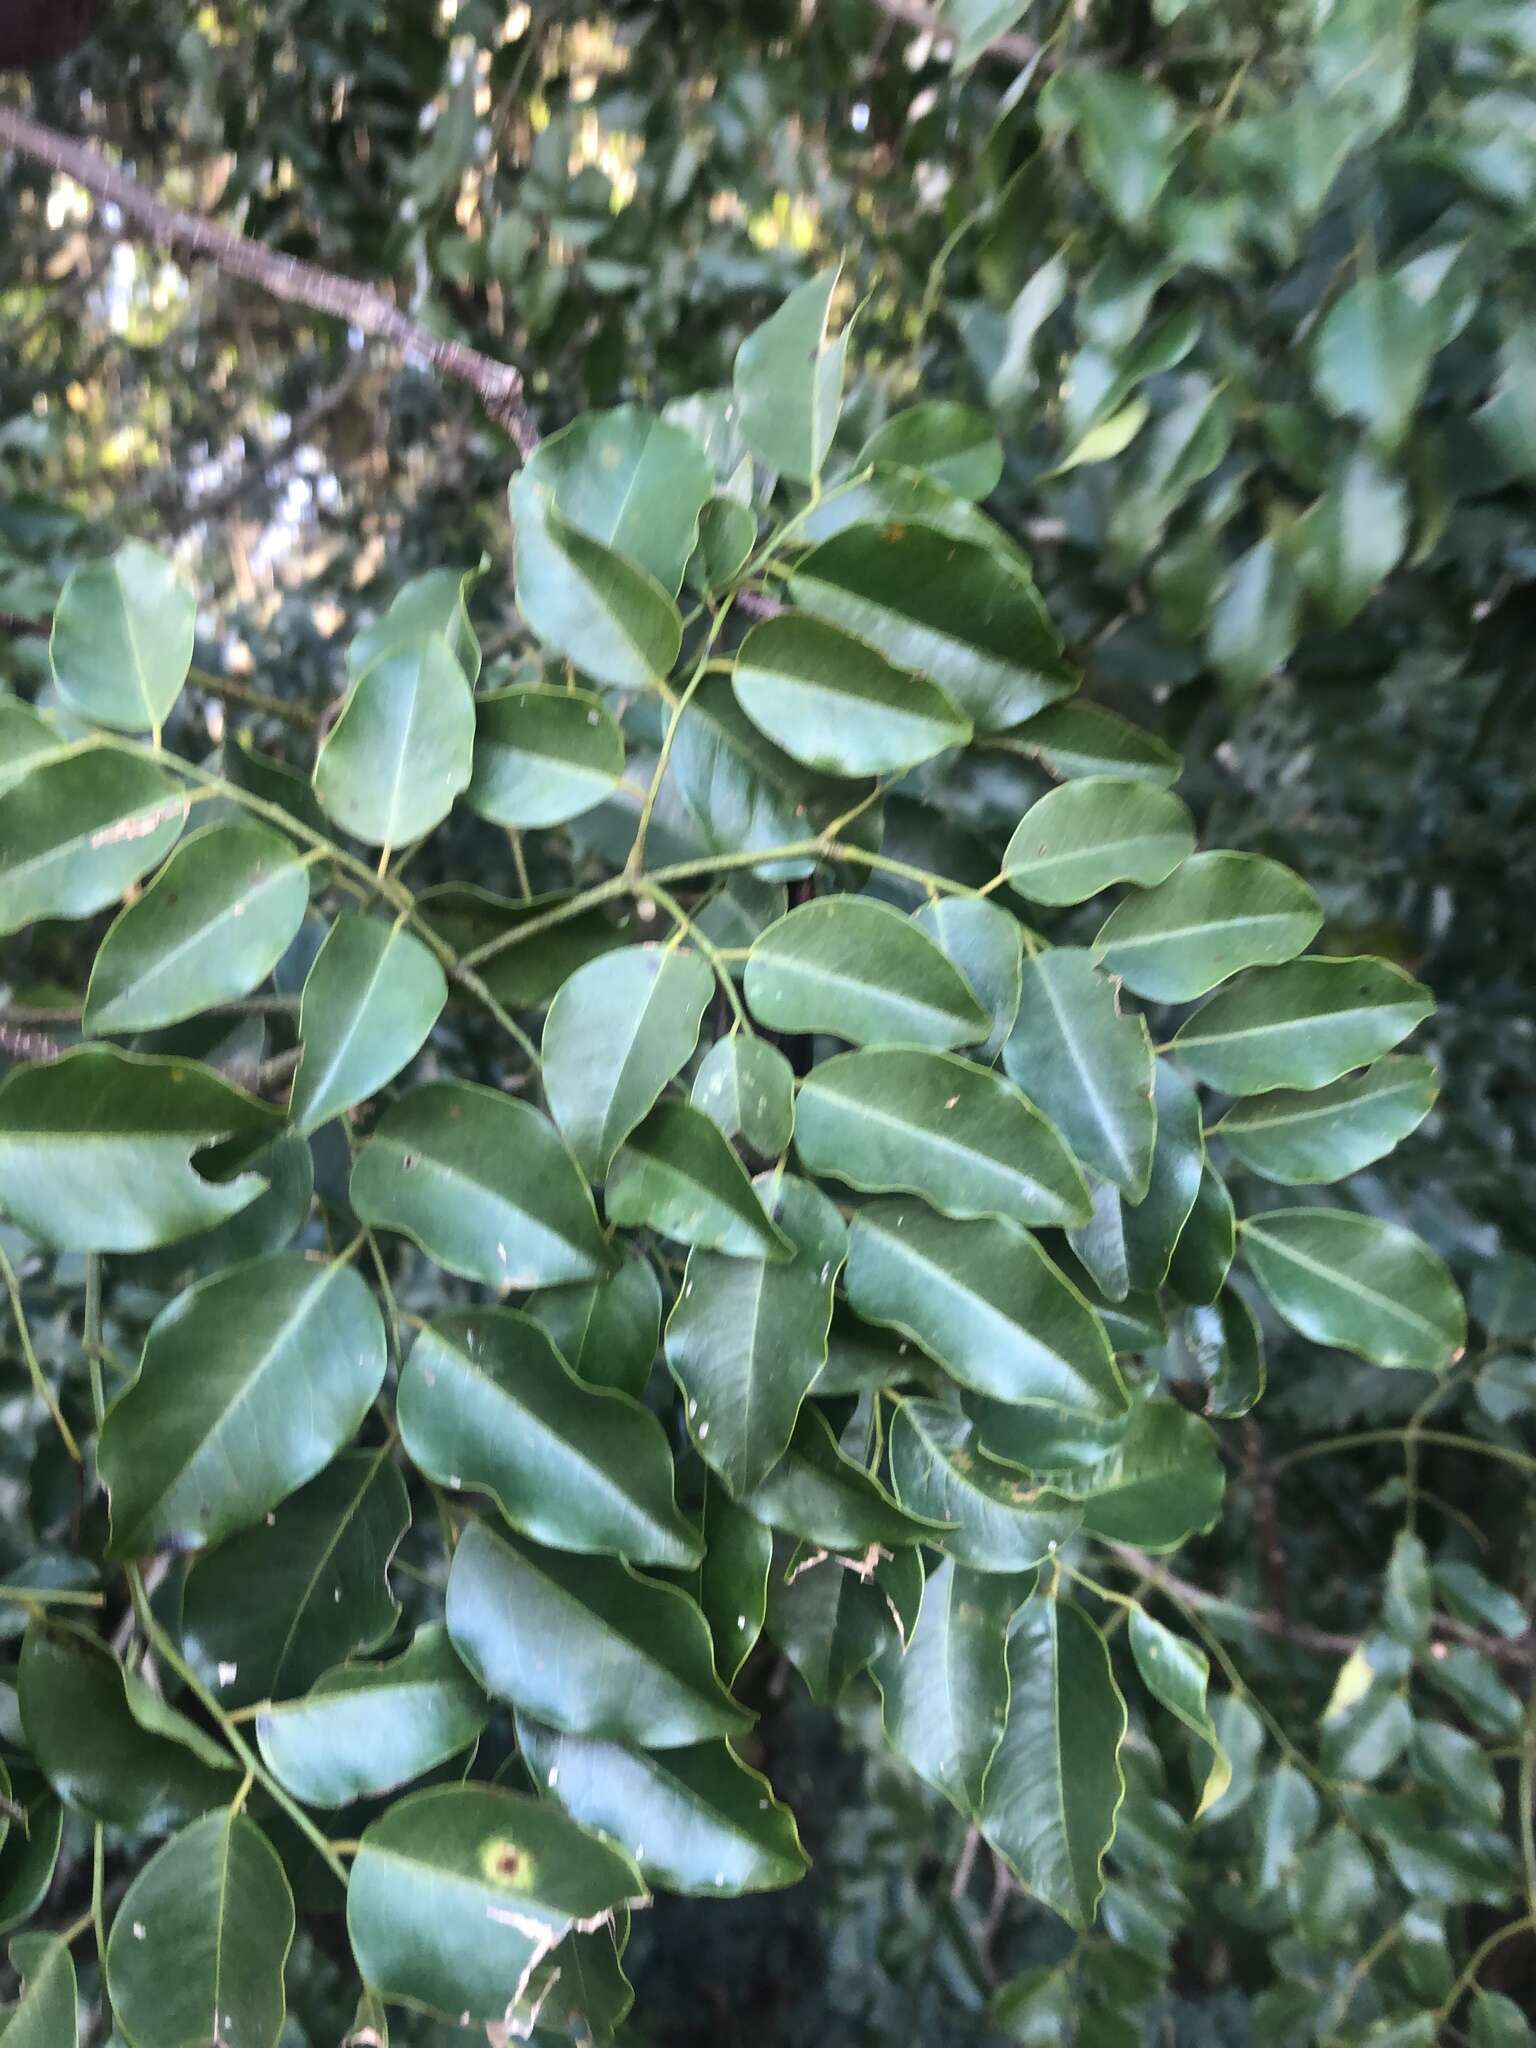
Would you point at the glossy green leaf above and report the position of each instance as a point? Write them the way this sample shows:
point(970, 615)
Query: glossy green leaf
point(200, 1939)
point(1080, 838)
point(321, 1560)
point(1372, 356)
point(697, 1821)
point(789, 381)
point(1055, 1786)
point(486, 1402)
point(944, 1699)
point(677, 1175)
point(832, 1616)
point(748, 1336)
point(733, 1579)
point(835, 702)
point(250, 1384)
point(889, 494)
point(617, 1032)
point(606, 1330)
point(1152, 1227)
point(436, 602)
point(1327, 1134)
point(984, 1301)
point(212, 925)
point(954, 444)
point(583, 601)
point(402, 747)
point(99, 1756)
point(1129, 133)
point(1352, 539)
point(459, 1892)
point(1301, 1025)
point(1176, 1673)
point(633, 482)
point(47, 2014)
point(1162, 1482)
point(1353, 1281)
point(1087, 1067)
point(75, 833)
point(1219, 1345)
point(97, 1150)
point(1256, 621)
point(983, 941)
point(543, 756)
point(926, 1123)
point(366, 1729)
point(861, 971)
point(483, 1185)
point(1214, 916)
point(27, 741)
point(959, 613)
point(30, 1854)
point(1202, 1257)
point(1000, 1523)
point(747, 1087)
point(122, 638)
point(817, 1493)
point(586, 1644)
point(1077, 739)
point(370, 1001)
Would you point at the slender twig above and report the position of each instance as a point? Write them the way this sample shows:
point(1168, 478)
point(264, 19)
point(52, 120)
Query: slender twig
point(498, 386)
point(40, 1381)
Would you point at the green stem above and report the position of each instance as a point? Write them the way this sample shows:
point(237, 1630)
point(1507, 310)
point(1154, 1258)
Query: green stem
point(40, 1381)
point(98, 1886)
point(1358, 1439)
point(92, 1334)
point(636, 860)
point(51, 1596)
point(172, 1658)
point(706, 946)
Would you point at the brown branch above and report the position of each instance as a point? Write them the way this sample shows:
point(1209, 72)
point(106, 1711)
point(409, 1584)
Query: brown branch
point(1019, 49)
point(498, 386)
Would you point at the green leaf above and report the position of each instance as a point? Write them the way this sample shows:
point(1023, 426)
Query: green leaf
point(321, 1561)
point(122, 639)
point(47, 2015)
point(1106, 439)
point(986, 1303)
point(954, 444)
point(748, 1336)
point(999, 1522)
point(1162, 1482)
point(97, 1150)
point(1329, 1133)
point(27, 742)
point(747, 1087)
point(1202, 1257)
point(436, 603)
point(1351, 540)
point(486, 1402)
point(676, 1174)
point(543, 756)
point(1371, 357)
point(402, 747)
point(366, 1729)
point(98, 1755)
point(789, 381)
point(581, 600)
point(727, 535)
point(1357, 1283)
point(835, 703)
point(1219, 1345)
point(210, 927)
point(1076, 739)
point(1055, 1786)
point(483, 1185)
point(629, 480)
point(832, 1617)
point(697, 1821)
point(586, 1644)
point(1301, 1025)
point(459, 1892)
point(861, 971)
point(1152, 1228)
point(964, 615)
point(1176, 1674)
point(606, 1330)
point(820, 1495)
point(733, 1579)
point(370, 1001)
point(984, 942)
point(1130, 134)
point(1087, 1067)
point(975, 24)
point(889, 495)
point(1497, 2022)
point(1479, 1599)
point(617, 1032)
point(944, 1699)
point(1214, 916)
point(1101, 829)
point(926, 1123)
point(1285, 1813)
point(1255, 623)
point(75, 833)
point(31, 1853)
point(251, 1382)
point(200, 1939)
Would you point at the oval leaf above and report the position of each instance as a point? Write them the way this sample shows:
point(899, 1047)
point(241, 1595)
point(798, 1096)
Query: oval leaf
point(122, 639)
point(1000, 1522)
point(676, 1174)
point(789, 382)
point(1214, 916)
point(1082, 837)
point(403, 746)
point(543, 756)
point(954, 444)
point(75, 833)
point(836, 703)
point(861, 971)
point(747, 1087)
point(633, 482)
point(1327, 1134)
point(581, 600)
point(1358, 1283)
point(1301, 1025)
point(370, 1001)
point(1086, 1066)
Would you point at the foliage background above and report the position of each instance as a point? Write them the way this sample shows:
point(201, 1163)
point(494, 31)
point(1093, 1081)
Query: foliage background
point(613, 200)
